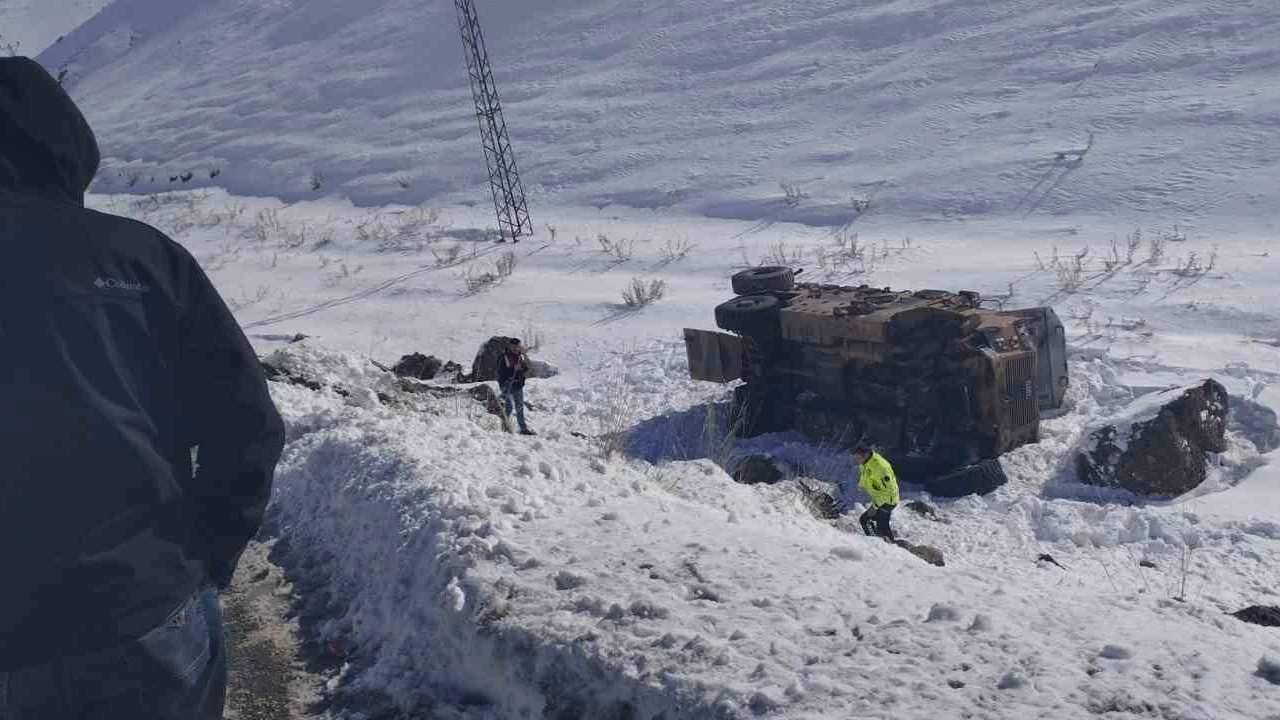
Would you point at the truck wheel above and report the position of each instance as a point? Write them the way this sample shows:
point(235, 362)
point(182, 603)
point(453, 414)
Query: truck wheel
point(763, 279)
point(753, 314)
point(977, 479)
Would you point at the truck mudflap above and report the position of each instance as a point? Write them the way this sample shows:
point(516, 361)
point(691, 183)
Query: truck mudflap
point(713, 356)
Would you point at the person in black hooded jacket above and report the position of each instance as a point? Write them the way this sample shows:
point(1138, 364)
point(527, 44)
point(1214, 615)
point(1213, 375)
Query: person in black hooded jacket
point(137, 437)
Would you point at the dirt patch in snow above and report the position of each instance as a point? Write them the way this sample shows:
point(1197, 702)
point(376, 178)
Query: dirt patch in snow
point(269, 677)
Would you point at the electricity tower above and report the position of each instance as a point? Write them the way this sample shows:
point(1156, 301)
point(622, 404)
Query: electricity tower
point(504, 180)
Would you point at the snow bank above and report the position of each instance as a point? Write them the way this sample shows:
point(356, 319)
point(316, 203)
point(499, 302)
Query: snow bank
point(511, 577)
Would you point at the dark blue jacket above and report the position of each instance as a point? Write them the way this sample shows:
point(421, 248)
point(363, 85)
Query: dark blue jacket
point(512, 371)
point(117, 360)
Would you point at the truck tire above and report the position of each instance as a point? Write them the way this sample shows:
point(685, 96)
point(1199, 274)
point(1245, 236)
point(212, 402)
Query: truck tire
point(977, 479)
point(769, 278)
point(750, 315)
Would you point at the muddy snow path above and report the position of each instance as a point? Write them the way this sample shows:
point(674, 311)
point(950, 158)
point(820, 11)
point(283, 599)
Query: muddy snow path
point(275, 673)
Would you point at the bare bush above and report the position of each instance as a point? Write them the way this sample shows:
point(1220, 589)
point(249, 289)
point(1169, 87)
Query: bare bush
point(1133, 241)
point(532, 338)
point(266, 223)
point(1068, 271)
point(1080, 312)
point(1155, 250)
point(374, 230)
point(792, 194)
point(676, 249)
point(404, 181)
point(478, 282)
point(1071, 273)
point(850, 255)
point(247, 298)
point(641, 294)
point(295, 239)
point(317, 181)
point(619, 250)
point(1193, 268)
point(780, 253)
point(1144, 282)
point(1129, 324)
point(482, 280)
point(449, 255)
point(505, 265)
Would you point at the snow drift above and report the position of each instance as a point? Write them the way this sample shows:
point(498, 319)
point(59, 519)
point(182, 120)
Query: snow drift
point(511, 577)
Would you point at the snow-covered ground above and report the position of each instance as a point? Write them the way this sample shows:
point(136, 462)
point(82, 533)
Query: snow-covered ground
point(508, 577)
point(339, 194)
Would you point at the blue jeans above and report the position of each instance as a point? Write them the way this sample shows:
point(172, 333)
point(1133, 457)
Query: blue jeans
point(513, 400)
point(177, 671)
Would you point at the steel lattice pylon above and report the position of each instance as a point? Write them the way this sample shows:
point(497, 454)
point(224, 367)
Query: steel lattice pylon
point(504, 180)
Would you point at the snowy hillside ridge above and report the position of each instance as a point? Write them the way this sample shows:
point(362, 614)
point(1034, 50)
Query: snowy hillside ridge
point(768, 110)
point(28, 27)
point(507, 577)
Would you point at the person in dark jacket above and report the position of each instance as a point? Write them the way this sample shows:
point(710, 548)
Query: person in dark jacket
point(137, 435)
point(513, 369)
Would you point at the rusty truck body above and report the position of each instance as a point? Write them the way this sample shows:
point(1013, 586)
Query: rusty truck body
point(935, 379)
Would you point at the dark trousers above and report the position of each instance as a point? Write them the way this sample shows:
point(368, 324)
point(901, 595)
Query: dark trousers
point(177, 671)
point(875, 521)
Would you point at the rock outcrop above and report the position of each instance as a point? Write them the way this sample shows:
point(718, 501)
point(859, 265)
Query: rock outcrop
point(755, 469)
point(418, 366)
point(1158, 446)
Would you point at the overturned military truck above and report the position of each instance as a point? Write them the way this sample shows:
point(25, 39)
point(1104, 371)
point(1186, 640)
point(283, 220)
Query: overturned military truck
point(940, 382)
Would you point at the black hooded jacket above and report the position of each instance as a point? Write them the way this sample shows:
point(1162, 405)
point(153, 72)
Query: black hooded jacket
point(117, 359)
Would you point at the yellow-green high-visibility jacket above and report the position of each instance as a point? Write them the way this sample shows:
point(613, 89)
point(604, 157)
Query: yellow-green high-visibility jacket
point(878, 481)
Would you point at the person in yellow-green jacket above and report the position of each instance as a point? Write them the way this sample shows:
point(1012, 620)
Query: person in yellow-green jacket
point(876, 479)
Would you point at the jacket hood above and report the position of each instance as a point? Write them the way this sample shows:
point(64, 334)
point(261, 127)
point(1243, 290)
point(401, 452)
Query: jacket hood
point(46, 146)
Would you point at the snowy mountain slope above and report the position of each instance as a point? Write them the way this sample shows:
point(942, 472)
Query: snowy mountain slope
point(36, 24)
point(414, 529)
point(931, 108)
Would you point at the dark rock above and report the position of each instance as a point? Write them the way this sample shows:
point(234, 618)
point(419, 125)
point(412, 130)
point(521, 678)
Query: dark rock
point(275, 374)
point(1046, 557)
point(1161, 455)
point(1269, 670)
point(923, 509)
point(755, 469)
point(418, 366)
point(1265, 615)
point(980, 478)
point(1146, 563)
point(1115, 652)
point(451, 371)
point(298, 338)
point(485, 366)
point(931, 555)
